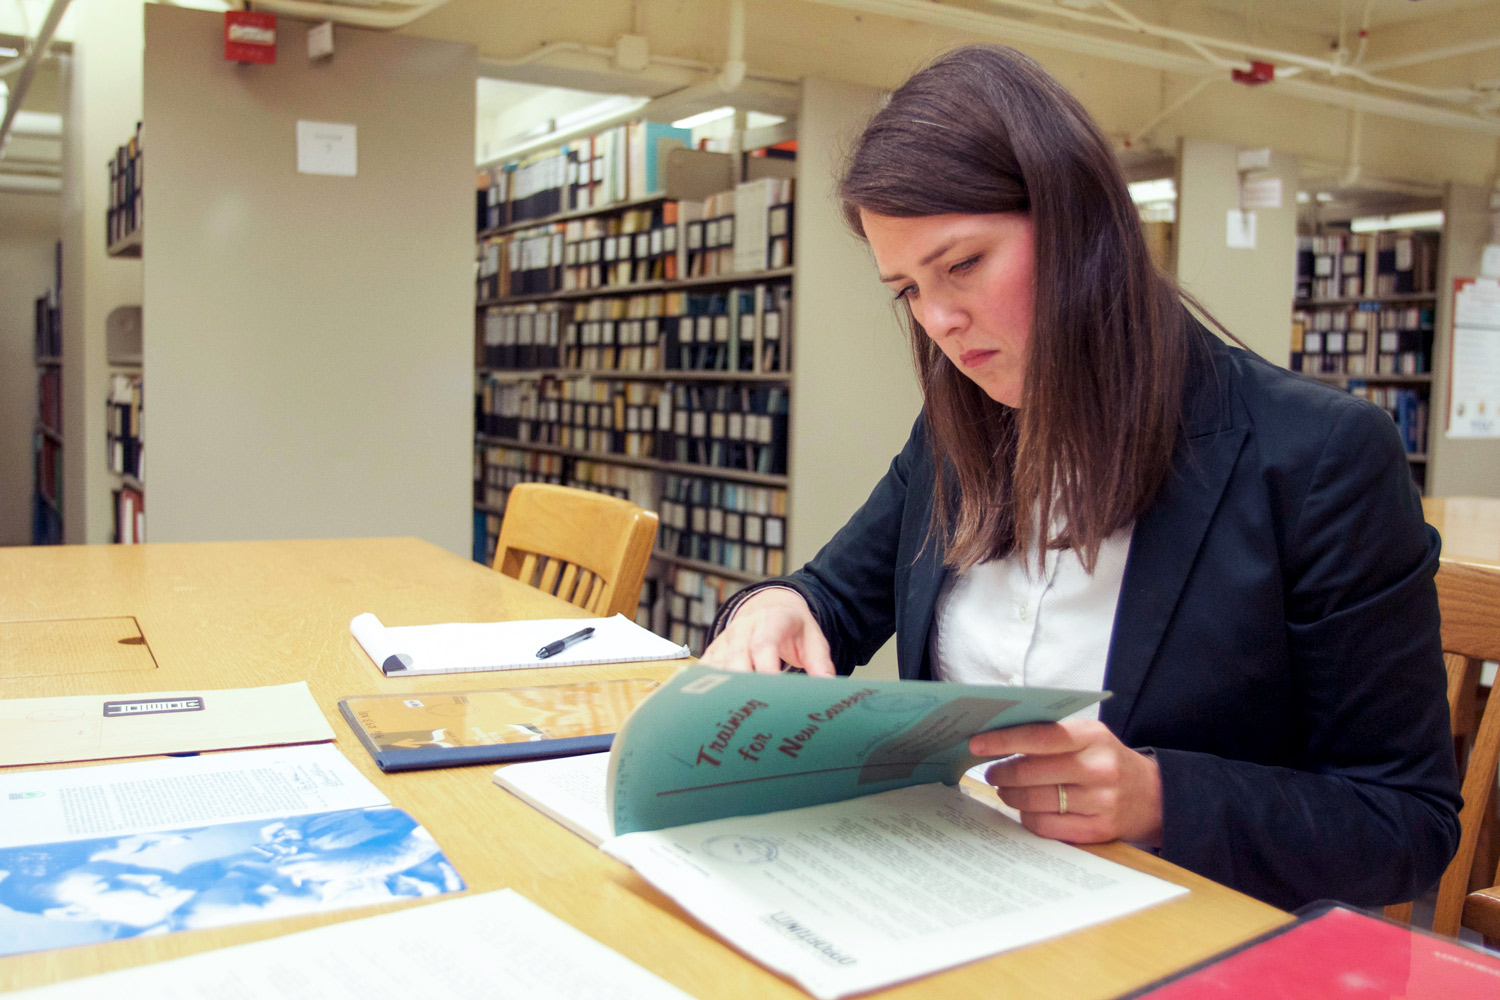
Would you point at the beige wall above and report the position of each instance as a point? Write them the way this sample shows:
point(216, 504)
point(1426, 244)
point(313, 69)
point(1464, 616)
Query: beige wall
point(308, 339)
point(1248, 290)
point(1460, 466)
point(855, 395)
point(27, 242)
point(103, 87)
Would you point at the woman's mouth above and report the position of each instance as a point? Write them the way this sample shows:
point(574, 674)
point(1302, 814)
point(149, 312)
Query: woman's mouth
point(973, 359)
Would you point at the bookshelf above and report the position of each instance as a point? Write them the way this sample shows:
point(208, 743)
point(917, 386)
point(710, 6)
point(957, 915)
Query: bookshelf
point(1364, 319)
point(47, 436)
point(632, 336)
point(123, 220)
point(124, 405)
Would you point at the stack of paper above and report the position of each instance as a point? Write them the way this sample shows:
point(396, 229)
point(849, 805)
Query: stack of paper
point(464, 646)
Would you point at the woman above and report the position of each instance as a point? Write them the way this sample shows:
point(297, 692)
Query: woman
point(1236, 553)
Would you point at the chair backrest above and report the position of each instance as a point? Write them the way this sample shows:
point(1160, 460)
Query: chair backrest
point(1469, 600)
point(587, 548)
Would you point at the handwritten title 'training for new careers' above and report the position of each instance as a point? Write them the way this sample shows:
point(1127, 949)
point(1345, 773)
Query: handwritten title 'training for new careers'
point(717, 748)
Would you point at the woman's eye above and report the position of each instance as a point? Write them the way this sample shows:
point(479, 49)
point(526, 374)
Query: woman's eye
point(964, 265)
point(906, 293)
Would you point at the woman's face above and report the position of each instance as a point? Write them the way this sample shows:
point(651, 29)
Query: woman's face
point(970, 281)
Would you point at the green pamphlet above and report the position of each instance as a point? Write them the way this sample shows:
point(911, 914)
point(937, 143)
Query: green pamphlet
point(710, 743)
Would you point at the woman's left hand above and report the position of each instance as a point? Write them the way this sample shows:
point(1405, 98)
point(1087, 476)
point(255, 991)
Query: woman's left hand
point(1075, 781)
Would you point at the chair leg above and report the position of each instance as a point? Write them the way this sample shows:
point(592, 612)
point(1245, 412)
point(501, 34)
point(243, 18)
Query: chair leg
point(1400, 912)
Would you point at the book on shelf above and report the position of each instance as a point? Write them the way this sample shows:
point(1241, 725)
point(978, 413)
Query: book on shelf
point(1408, 408)
point(816, 824)
point(1344, 265)
point(49, 397)
point(691, 600)
point(123, 216)
point(124, 426)
point(725, 425)
point(734, 525)
point(130, 516)
point(623, 163)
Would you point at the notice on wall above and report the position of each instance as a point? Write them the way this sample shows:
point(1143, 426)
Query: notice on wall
point(1260, 192)
point(1474, 360)
point(326, 148)
point(1239, 230)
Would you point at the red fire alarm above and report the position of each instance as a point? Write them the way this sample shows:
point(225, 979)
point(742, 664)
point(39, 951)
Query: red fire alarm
point(249, 37)
point(1259, 72)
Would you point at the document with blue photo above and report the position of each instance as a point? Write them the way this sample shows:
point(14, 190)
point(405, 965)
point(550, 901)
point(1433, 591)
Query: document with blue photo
point(101, 853)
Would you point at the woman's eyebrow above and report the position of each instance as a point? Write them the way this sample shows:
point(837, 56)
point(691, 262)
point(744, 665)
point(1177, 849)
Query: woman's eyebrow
point(934, 255)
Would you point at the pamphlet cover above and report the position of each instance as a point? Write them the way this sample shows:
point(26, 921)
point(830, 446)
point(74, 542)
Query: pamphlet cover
point(99, 726)
point(711, 743)
point(406, 732)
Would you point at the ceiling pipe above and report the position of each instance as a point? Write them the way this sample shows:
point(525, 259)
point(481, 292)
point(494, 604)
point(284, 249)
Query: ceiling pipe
point(1281, 57)
point(733, 73)
point(37, 125)
point(1006, 30)
point(1356, 130)
point(26, 184)
point(1167, 112)
point(33, 59)
point(1432, 55)
point(380, 20)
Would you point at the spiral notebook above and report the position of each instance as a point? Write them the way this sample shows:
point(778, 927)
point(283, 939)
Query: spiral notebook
point(459, 647)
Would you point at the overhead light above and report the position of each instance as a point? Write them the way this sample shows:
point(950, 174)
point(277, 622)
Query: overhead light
point(703, 117)
point(6, 52)
point(1324, 197)
point(1151, 192)
point(1402, 220)
point(1303, 198)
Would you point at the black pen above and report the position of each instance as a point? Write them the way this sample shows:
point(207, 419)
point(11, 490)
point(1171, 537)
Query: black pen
point(553, 648)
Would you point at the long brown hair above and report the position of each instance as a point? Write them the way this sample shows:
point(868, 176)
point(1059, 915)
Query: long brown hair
point(984, 129)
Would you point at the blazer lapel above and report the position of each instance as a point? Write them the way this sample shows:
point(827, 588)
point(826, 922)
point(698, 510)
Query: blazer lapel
point(1166, 540)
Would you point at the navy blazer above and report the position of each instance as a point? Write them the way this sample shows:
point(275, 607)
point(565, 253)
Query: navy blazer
point(1275, 643)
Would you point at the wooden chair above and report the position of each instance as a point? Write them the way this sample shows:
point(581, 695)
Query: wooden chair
point(587, 548)
point(1481, 909)
point(1469, 600)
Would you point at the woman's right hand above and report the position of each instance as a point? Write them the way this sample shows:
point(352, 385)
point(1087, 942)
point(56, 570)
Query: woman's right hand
point(774, 625)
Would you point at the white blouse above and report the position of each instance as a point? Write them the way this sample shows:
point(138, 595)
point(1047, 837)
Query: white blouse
point(1006, 622)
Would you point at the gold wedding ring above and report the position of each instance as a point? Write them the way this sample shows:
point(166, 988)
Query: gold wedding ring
point(1062, 801)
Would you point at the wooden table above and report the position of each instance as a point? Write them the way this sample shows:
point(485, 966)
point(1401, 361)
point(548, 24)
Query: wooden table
point(242, 614)
point(1470, 526)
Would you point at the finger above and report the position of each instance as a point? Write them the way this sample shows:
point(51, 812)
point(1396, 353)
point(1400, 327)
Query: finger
point(1031, 770)
point(1047, 799)
point(814, 655)
point(1071, 827)
point(1035, 738)
point(764, 655)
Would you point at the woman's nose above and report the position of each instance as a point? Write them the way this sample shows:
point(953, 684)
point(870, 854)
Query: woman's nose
point(941, 316)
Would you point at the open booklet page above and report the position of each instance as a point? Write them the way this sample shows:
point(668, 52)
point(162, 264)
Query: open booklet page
point(493, 944)
point(571, 790)
point(711, 743)
point(859, 894)
point(142, 796)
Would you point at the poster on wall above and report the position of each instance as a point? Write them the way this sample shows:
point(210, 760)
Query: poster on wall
point(1474, 360)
